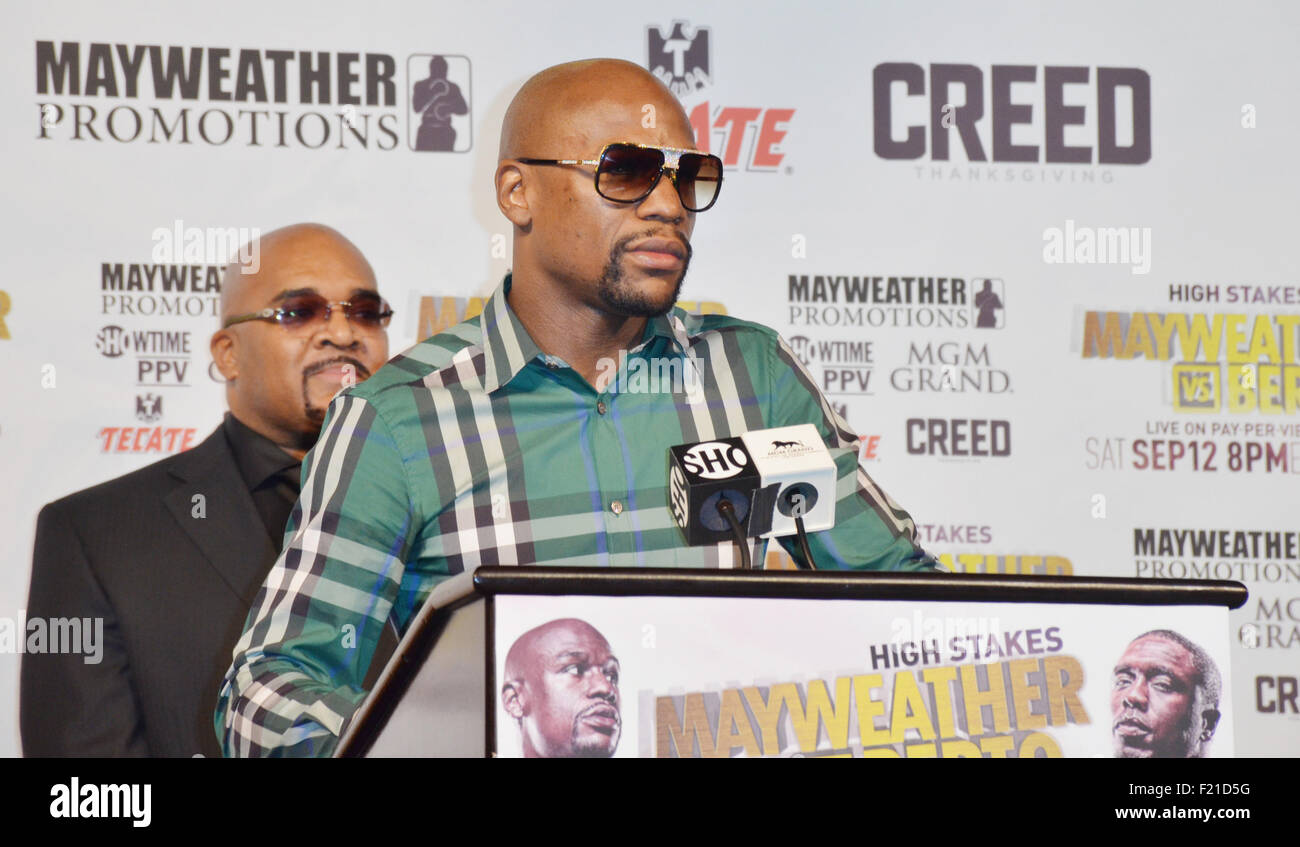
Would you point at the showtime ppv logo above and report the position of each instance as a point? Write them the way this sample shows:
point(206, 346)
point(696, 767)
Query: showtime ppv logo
point(742, 136)
point(1054, 107)
point(845, 366)
point(251, 97)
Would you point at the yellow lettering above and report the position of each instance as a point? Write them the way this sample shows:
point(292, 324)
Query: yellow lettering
point(1058, 565)
point(1235, 337)
point(958, 749)
point(940, 679)
point(767, 715)
point(1064, 678)
point(1263, 343)
point(909, 709)
point(820, 710)
point(1198, 333)
point(1102, 340)
point(1241, 391)
point(1162, 326)
point(1139, 337)
point(702, 307)
point(869, 709)
point(731, 714)
point(1291, 389)
point(976, 698)
point(1286, 330)
point(1023, 693)
point(997, 746)
point(1036, 742)
point(1270, 388)
point(431, 320)
point(678, 740)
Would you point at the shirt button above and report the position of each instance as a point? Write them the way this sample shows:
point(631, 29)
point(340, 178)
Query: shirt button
point(602, 408)
point(552, 366)
point(616, 507)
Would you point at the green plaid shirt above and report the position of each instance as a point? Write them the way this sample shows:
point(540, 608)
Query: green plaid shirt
point(475, 448)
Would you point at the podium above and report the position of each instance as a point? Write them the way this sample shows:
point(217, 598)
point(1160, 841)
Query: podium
point(724, 663)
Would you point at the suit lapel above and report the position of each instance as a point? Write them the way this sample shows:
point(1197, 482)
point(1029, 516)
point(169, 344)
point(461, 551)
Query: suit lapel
point(230, 533)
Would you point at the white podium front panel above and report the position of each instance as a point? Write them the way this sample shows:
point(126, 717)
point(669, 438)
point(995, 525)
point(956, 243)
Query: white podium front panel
point(723, 677)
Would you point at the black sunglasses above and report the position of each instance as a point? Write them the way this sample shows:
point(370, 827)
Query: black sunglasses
point(627, 173)
point(365, 309)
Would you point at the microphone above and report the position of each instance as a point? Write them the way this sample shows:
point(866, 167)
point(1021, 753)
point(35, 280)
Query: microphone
point(703, 475)
point(777, 482)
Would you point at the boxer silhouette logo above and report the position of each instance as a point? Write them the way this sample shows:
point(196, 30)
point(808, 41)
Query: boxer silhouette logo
point(440, 119)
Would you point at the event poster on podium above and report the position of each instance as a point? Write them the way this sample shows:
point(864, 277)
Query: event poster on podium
point(725, 677)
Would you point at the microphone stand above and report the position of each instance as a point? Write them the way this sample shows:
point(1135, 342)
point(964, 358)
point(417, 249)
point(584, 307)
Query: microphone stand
point(728, 511)
point(808, 563)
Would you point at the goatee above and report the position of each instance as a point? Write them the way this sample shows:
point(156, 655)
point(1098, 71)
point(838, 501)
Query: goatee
point(623, 299)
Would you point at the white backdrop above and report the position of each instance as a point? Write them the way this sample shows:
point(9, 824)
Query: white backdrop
point(807, 193)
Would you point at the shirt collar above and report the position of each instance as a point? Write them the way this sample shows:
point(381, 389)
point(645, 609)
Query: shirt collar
point(508, 348)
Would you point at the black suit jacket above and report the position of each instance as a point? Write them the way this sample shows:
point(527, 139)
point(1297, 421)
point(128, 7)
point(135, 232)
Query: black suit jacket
point(173, 590)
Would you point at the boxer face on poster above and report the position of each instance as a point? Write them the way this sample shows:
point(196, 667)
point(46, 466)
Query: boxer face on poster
point(282, 370)
point(1164, 699)
point(561, 685)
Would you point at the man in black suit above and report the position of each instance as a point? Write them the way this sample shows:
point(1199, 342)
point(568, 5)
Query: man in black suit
point(169, 557)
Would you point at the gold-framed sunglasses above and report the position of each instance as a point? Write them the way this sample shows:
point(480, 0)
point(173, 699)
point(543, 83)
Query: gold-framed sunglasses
point(628, 173)
point(366, 309)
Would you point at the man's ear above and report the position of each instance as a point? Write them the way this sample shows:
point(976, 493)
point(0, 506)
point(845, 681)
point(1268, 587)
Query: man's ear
point(222, 347)
point(512, 198)
point(512, 699)
point(1210, 722)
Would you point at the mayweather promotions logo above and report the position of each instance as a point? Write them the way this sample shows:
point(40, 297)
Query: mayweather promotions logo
point(250, 97)
point(681, 58)
point(1266, 560)
point(896, 301)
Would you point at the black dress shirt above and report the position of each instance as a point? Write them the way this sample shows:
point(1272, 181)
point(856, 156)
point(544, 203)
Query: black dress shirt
point(271, 474)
